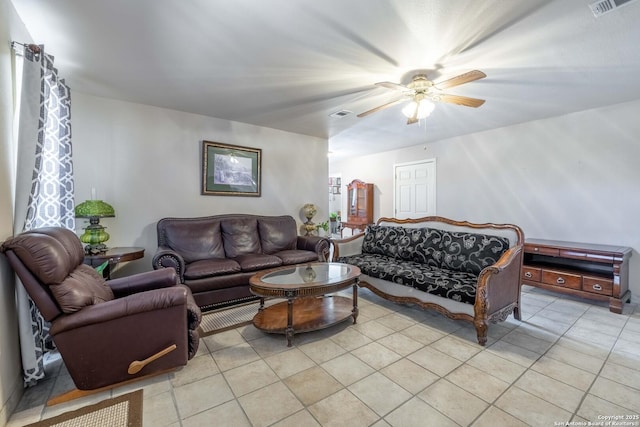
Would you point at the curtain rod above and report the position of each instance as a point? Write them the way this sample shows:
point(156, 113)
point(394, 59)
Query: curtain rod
point(32, 47)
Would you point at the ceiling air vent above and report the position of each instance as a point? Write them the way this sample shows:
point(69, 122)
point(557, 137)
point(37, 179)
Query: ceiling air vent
point(340, 114)
point(599, 8)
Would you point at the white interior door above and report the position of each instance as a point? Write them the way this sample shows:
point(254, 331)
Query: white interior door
point(415, 189)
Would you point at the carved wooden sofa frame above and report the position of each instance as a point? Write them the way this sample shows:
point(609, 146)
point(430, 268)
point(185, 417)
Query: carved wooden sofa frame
point(498, 285)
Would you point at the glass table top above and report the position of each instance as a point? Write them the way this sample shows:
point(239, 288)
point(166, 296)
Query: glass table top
point(309, 273)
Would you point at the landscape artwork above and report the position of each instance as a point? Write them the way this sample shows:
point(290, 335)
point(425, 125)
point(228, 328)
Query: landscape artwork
point(230, 170)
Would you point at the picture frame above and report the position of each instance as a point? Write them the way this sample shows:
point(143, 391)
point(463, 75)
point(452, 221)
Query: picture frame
point(231, 170)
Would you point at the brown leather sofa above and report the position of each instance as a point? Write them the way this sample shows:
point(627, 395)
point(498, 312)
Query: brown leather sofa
point(216, 255)
point(104, 329)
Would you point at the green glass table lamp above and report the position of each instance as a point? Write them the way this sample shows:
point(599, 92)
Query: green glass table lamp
point(94, 235)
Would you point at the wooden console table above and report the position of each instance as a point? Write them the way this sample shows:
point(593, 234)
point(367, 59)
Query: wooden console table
point(597, 272)
point(353, 227)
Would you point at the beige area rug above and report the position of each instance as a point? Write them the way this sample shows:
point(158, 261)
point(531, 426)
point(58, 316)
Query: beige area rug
point(224, 319)
point(121, 411)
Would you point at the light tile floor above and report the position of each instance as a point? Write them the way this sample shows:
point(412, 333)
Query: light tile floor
point(568, 360)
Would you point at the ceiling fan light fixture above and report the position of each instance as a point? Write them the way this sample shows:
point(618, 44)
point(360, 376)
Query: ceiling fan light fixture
point(425, 108)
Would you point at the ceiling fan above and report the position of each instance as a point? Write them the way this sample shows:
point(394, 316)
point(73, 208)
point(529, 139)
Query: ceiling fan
point(421, 91)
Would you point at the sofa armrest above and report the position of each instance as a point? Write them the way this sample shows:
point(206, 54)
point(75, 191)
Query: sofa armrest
point(143, 282)
point(118, 308)
point(499, 284)
point(347, 247)
point(168, 258)
point(319, 245)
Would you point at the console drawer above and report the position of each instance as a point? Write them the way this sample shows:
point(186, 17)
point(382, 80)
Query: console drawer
point(531, 273)
point(562, 279)
point(597, 285)
point(542, 250)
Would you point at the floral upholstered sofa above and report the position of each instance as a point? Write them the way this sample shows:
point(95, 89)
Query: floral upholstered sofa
point(463, 270)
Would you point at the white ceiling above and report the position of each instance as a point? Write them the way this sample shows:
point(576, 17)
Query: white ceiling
point(288, 64)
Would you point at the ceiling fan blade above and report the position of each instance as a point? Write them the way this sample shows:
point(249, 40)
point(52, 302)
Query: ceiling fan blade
point(380, 107)
point(461, 79)
point(461, 100)
point(394, 86)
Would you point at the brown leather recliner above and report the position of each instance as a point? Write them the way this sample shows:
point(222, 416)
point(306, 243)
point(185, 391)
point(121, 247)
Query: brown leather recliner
point(105, 331)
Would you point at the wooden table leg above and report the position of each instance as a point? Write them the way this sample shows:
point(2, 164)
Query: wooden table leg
point(355, 301)
point(289, 321)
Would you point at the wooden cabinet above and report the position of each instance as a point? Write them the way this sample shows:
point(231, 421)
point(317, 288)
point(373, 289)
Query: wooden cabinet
point(598, 272)
point(359, 205)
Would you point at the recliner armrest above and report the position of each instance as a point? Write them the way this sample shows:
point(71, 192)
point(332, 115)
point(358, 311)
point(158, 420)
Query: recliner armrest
point(118, 308)
point(166, 257)
point(143, 282)
point(319, 245)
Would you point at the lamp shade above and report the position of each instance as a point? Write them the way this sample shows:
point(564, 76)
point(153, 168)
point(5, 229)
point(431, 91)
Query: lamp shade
point(424, 107)
point(94, 208)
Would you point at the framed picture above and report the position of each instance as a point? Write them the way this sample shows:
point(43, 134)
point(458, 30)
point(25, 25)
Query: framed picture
point(230, 170)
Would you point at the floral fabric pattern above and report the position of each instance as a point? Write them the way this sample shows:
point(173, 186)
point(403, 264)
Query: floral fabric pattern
point(380, 240)
point(444, 263)
point(421, 245)
point(455, 285)
point(471, 252)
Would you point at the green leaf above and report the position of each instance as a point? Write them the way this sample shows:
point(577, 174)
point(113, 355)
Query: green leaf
point(102, 266)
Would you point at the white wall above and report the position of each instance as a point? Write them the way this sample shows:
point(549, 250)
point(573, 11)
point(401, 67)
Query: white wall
point(11, 28)
point(145, 162)
point(572, 178)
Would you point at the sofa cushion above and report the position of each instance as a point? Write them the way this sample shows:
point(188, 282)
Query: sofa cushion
point(195, 240)
point(421, 245)
point(210, 267)
point(296, 256)
point(240, 236)
point(277, 234)
point(455, 285)
point(254, 262)
point(82, 287)
point(470, 252)
point(382, 240)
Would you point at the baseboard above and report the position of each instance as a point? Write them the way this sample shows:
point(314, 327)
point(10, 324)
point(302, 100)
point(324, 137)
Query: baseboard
point(10, 405)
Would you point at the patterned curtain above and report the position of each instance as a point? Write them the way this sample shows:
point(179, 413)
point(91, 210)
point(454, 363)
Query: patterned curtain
point(45, 176)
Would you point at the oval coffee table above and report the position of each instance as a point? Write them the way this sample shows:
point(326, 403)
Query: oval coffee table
point(309, 306)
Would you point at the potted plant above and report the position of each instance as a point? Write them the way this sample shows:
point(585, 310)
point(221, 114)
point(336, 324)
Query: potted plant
point(333, 219)
point(324, 226)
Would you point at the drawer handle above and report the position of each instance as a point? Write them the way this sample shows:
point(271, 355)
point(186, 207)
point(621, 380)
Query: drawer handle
point(536, 249)
point(528, 275)
point(597, 287)
point(560, 281)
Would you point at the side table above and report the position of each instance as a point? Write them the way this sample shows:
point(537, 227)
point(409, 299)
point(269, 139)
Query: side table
point(353, 226)
point(114, 256)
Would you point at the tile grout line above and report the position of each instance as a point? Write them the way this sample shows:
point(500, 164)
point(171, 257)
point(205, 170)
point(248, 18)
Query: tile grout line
point(597, 376)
